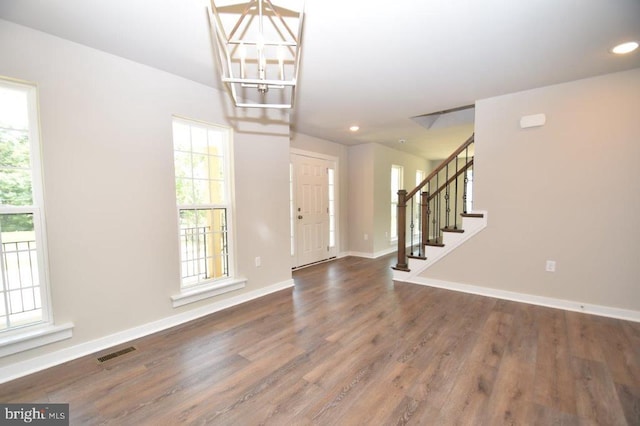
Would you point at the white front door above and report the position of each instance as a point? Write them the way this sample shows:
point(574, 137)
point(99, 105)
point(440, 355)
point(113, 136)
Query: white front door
point(310, 210)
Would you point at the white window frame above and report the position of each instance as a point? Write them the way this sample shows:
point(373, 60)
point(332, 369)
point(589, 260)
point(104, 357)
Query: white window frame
point(394, 200)
point(420, 175)
point(28, 336)
point(214, 286)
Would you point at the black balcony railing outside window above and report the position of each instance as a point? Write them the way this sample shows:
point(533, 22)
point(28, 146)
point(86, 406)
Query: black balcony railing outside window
point(20, 288)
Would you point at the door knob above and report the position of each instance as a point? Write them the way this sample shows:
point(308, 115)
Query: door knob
point(299, 216)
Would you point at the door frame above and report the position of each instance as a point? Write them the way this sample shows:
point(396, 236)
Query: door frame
point(336, 165)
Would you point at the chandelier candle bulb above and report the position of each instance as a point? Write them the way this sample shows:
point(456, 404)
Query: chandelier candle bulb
point(262, 74)
point(281, 61)
point(242, 52)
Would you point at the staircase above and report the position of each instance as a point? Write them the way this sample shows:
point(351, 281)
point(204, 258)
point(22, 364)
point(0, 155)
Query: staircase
point(436, 217)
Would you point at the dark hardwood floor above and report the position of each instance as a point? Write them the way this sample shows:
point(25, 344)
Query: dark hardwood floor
point(349, 347)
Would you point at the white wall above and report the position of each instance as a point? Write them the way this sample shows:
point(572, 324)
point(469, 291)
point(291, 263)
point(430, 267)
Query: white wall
point(109, 190)
point(361, 202)
point(384, 158)
point(568, 191)
point(370, 194)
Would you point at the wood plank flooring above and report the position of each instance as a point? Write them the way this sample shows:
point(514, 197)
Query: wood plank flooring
point(347, 346)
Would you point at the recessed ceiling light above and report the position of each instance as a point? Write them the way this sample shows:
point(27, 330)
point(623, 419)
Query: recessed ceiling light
point(624, 48)
point(354, 128)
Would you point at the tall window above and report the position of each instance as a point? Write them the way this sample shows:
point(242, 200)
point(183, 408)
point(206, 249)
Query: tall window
point(201, 162)
point(396, 185)
point(469, 188)
point(419, 177)
point(23, 286)
point(416, 210)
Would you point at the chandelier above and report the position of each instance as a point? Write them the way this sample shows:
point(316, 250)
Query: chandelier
point(257, 48)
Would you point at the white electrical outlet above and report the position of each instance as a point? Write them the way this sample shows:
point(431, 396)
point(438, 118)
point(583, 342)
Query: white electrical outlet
point(258, 261)
point(366, 237)
point(550, 266)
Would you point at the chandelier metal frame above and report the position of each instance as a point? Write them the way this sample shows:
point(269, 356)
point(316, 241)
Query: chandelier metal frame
point(265, 30)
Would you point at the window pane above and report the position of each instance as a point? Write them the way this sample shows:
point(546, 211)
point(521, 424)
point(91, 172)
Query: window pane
point(187, 219)
point(38, 296)
point(218, 195)
point(203, 244)
point(201, 193)
point(216, 167)
point(184, 191)
point(15, 168)
point(27, 299)
point(14, 149)
point(15, 301)
point(14, 223)
point(181, 137)
point(20, 280)
point(200, 166)
point(216, 143)
point(199, 142)
point(26, 317)
point(13, 109)
point(15, 187)
point(182, 162)
point(219, 220)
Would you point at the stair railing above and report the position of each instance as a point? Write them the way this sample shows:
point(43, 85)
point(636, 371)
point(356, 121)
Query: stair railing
point(434, 205)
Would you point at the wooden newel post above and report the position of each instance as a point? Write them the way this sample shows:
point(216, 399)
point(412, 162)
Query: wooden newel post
point(424, 226)
point(402, 229)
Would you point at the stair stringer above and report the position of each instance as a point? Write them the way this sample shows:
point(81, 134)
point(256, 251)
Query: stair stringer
point(451, 240)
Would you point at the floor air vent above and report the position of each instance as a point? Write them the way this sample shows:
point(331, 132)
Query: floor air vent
point(116, 354)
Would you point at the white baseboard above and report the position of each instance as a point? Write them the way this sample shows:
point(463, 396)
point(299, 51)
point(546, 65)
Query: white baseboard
point(385, 252)
point(369, 255)
point(568, 305)
point(29, 366)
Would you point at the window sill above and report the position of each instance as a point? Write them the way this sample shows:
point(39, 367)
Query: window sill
point(34, 337)
point(206, 291)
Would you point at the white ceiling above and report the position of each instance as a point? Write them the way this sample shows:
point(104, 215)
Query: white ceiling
point(373, 63)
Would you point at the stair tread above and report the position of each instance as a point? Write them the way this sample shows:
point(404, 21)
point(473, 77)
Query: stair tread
point(395, 268)
point(471, 214)
point(435, 244)
point(450, 229)
point(413, 256)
